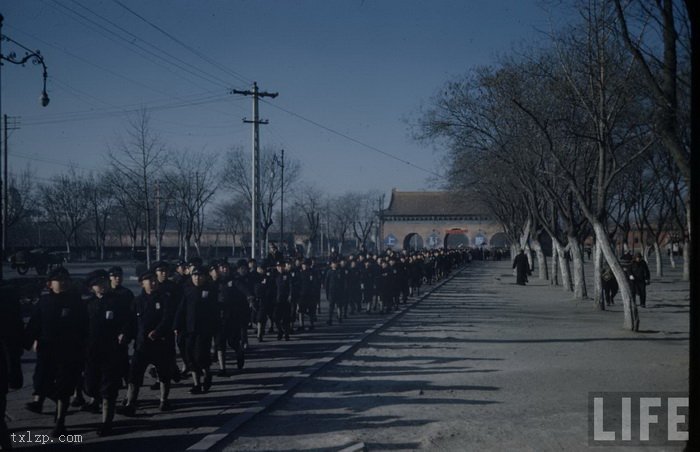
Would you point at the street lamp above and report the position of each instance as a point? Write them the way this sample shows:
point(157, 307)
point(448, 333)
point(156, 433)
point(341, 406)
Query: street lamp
point(36, 58)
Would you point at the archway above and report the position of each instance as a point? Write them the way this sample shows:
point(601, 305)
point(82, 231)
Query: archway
point(456, 238)
point(413, 242)
point(500, 240)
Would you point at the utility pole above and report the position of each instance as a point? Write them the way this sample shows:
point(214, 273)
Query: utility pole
point(280, 162)
point(255, 193)
point(158, 235)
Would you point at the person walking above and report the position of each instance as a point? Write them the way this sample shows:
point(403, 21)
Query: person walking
point(639, 279)
point(522, 268)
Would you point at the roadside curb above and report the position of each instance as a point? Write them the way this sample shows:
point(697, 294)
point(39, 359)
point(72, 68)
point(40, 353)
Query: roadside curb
point(213, 439)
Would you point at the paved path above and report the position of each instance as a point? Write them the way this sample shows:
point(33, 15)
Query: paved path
point(483, 364)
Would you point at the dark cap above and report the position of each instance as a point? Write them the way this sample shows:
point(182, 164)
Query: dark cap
point(224, 263)
point(58, 274)
point(160, 265)
point(148, 274)
point(115, 271)
point(280, 263)
point(198, 270)
point(96, 277)
point(242, 263)
point(196, 261)
point(213, 267)
point(307, 262)
point(181, 263)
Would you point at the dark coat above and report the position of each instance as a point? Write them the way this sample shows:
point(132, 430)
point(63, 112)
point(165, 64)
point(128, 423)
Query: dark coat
point(11, 327)
point(197, 312)
point(335, 285)
point(59, 323)
point(154, 312)
point(522, 267)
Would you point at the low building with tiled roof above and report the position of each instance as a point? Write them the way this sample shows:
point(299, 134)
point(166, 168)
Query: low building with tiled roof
point(433, 219)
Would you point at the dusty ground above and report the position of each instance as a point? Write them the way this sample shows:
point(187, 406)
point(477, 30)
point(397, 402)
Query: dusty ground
point(484, 364)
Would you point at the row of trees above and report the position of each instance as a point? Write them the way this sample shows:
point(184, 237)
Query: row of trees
point(146, 188)
point(591, 136)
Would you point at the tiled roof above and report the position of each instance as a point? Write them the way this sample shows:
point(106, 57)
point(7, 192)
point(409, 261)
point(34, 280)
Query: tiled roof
point(419, 203)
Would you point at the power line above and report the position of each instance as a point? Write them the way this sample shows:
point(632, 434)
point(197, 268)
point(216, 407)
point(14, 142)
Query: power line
point(185, 66)
point(354, 140)
point(88, 115)
point(188, 47)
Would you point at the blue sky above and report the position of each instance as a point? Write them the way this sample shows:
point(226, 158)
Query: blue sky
point(356, 67)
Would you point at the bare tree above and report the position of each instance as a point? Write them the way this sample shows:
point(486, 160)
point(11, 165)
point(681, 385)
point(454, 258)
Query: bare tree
point(666, 72)
point(234, 218)
point(66, 204)
point(136, 158)
point(310, 200)
point(193, 183)
point(101, 209)
point(236, 177)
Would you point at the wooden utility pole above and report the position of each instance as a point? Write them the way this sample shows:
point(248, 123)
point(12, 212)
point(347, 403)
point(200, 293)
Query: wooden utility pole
point(255, 192)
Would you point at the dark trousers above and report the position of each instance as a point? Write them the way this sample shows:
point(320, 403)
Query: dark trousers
point(103, 374)
point(639, 288)
point(159, 353)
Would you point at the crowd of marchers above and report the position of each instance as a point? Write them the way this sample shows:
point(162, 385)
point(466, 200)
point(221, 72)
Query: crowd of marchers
point(94, 338)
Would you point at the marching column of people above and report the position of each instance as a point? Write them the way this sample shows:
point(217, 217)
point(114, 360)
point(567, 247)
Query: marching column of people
point(83, 334)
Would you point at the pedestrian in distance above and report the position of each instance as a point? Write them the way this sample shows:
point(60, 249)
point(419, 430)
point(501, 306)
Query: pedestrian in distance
point(639, 277)
point(522, 268)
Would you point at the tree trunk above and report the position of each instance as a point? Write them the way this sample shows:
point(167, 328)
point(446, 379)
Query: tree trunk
point(564, 268)
point(579, 276)
point(68, 247)
point(686, 260)
point(597, 270)
point(659, 260)
point(630, 309)
point(672, 258)
point(554, 280)
point(542, 270)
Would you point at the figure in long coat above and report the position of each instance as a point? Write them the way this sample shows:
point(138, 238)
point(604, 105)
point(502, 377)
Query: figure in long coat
point(522, 266)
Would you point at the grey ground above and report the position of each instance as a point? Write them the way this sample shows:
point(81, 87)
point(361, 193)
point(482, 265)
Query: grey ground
point(484, 364)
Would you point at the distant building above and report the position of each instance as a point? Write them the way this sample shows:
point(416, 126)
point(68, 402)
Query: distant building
point(436, 219)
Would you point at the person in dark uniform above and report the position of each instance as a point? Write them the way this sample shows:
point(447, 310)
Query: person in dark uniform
point(262, 302)
point(610, 286)
point(307, 301)
point(196, 319)
point(109, 321)
point(522, 268)
point(394, 283)
point(154, 341)
point(318, 278)
point(403, 278)
point(385, 287)
point(639, 279)
point(294, 272)
point(335, 285)
point(11, 377)
point(367, 282)
point(353, 288)
point(283, 309)
point(172, 289)
point(126, 297)
point(223, 316)
point(57, 330)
